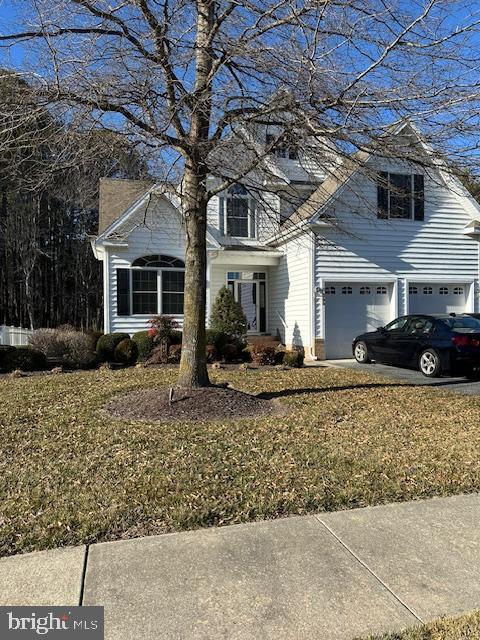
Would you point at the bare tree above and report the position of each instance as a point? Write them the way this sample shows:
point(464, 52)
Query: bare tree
point(189, 79)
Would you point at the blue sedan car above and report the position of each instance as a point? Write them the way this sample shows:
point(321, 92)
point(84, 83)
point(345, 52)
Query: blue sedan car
point(435, 344)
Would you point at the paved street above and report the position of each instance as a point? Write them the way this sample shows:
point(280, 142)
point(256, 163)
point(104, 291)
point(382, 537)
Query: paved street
point(458, 384)
point(329, 576)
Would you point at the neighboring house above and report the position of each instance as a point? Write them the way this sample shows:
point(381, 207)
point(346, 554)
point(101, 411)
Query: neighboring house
point(363, 247)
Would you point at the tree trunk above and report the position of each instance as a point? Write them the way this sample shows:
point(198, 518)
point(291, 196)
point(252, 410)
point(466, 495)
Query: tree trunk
point(193, 363)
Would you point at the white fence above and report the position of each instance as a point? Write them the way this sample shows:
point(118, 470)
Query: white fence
point(14, 336)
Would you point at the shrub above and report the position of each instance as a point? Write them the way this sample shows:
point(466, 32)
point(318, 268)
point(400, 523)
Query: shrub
point(24, 359)
point(279, 353)
point(217, 338)
point(74, 348)
point(144, 343)
point(159, 355)
point(211, 353)
point(126, 352)
point(79, 353)
point(176, 337)
point(230, 352)
point(294, 358)
point(94, 336)
point(106, 346)
point(51, 342)
point(262, 354)
point(227, 315)
point(174, 354)
point(163, 327)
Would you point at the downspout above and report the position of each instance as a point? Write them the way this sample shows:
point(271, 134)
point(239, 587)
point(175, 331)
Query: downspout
point(312, 296)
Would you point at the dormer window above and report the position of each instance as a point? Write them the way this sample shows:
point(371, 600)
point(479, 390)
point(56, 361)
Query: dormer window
point(281, 150)
point(400, 196)
point(237, 213)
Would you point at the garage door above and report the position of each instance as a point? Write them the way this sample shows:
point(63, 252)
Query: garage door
point(351, 309)
point(426, 297)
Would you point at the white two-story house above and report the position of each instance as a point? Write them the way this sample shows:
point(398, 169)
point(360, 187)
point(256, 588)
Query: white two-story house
point(357, 244)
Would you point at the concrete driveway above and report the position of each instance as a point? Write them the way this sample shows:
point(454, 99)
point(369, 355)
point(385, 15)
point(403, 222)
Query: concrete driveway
point(458, 384)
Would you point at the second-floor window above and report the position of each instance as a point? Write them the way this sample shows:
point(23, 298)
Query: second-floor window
point(237, 213)
point(400, 195)
point(282, 150)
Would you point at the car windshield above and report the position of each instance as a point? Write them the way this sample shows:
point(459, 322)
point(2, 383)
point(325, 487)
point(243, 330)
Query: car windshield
point(462, 323)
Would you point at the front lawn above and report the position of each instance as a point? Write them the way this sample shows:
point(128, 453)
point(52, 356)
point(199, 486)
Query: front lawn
point(466, 627)
point(69, 474)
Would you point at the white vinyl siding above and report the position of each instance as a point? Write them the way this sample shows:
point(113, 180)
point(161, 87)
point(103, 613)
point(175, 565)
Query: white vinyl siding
point(290, 294)
point(156, 231)
point(434, 249)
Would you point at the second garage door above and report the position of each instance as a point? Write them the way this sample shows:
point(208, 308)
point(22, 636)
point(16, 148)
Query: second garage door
point(425, 297)
point(351, 309)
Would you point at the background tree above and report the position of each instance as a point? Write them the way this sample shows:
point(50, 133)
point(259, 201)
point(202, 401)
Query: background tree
point(190, 79)
point(49, 178)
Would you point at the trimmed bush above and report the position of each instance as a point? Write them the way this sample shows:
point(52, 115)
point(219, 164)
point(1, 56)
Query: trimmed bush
point(227, 316)
point(106, 346)
point(262, 354)
point(126, 352)
point(25, 359)
point(294, 358)
point(144, 343)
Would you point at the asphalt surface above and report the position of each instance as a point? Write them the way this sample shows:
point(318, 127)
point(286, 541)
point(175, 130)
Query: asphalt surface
point(457, 384)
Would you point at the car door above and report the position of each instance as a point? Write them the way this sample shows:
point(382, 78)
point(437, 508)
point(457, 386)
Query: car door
point(409, 343)
point(384, 343)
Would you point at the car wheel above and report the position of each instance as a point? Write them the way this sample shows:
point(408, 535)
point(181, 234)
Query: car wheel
point(360, 352)
point(429, 363)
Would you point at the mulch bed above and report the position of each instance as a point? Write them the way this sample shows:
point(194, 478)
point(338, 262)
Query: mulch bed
point(210, 403)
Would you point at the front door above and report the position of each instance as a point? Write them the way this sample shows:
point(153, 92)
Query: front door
point(247, 295)
point(249, 290)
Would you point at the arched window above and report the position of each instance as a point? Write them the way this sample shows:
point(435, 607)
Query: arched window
point(162, 262)
point(427, 291)
point(443, 291)
point(458, 291)
point(153, 285)
point(365, 291)
point(412, 290)
point(330, 291)
point(237, 213)
point(381, 290)
point(346, 291)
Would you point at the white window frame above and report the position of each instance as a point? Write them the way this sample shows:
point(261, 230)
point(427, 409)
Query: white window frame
point(159, 290)
point(252, 221)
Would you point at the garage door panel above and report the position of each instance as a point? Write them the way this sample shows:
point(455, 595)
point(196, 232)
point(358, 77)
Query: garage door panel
point(351, 309)
point(428, 298)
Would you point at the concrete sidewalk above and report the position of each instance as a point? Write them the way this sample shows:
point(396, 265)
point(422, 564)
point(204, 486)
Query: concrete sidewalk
point(331, 576)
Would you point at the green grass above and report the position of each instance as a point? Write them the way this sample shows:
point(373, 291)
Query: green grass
point(69, 474)
point(466, 627)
